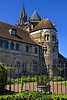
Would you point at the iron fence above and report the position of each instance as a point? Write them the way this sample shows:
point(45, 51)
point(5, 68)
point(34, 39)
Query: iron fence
point(49, 79)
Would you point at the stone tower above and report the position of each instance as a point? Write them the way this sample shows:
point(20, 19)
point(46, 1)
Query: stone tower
point(22, 18)
point(44, 33)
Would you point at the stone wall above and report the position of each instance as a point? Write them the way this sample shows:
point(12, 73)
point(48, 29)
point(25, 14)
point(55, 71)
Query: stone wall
point(19, 58)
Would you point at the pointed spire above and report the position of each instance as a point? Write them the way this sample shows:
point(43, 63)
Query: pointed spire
point(23, 10)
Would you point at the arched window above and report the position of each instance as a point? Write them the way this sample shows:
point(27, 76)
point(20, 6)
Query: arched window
point(11, 46)
point(17, 46)
point(46, 37)
point(6, 44)
point(27, 49)
point(0, 43)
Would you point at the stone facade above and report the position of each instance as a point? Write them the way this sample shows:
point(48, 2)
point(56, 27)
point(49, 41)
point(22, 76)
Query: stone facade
point(24, 56)
point(45, 38)
point(33, 52)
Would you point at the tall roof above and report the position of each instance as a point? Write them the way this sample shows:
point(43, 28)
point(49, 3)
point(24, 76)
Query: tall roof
point(44, 24)
point(21, 35)
point(35, 16)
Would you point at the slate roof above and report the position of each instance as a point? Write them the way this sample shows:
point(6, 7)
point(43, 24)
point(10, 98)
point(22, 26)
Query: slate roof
point(44, 24)
point(21, 35)
point(35, 16)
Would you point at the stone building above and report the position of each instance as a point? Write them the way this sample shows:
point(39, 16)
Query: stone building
point(17, 49)
point(44, 33)
point(30, 51)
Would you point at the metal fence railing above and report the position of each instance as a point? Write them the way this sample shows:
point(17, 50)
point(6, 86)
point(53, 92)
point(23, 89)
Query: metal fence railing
point(19, 79)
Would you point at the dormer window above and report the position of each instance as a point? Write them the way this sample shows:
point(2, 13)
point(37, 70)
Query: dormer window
point(13, 31)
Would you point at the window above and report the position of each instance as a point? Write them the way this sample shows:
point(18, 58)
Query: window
point(54, 38)
point(6, 44)
point(45, 49)
point(13, 32)
point(17, 46)
point(11, 46)
point(27, 49)
point(0, 43)
point(47, 37)
point(35, 50)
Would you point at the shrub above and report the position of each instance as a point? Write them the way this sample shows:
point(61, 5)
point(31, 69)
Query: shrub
point(3, 76)
point(10, 81)
point(57, 78)
point(29, 78)
point(32, 95)
point(60, 78)
point(43, 80)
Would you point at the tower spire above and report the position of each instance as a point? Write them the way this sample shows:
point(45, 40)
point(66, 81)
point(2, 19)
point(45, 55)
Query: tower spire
point(23, 18)
point(23, 10)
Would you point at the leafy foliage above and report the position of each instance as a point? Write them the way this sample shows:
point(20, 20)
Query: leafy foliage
point(33, 95)
point(3, 76)
point(43, 80)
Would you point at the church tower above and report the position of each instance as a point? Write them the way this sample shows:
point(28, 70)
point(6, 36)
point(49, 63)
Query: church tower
point(44, 33)
point(22, 18)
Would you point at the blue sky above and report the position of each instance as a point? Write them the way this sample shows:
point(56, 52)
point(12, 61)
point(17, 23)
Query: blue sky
point(53, 9)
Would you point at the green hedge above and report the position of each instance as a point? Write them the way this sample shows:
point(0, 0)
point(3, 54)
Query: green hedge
point(32, 95)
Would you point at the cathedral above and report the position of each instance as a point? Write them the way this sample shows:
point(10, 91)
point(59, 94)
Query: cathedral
point(30, 45)
point(44, 33)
